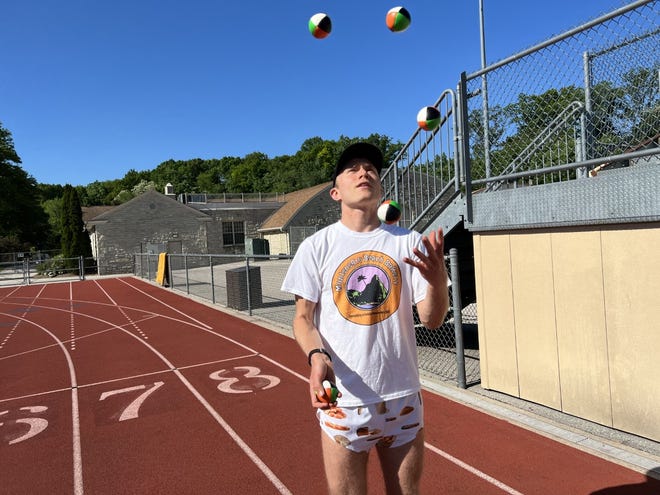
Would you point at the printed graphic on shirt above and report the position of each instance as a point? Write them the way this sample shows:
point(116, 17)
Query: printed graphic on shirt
point(367, 287)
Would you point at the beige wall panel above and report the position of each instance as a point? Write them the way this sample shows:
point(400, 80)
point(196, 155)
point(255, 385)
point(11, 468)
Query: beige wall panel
point(278, 243)
point(631, 268)
point(534, 314)
point(581, 331)
point(496, 313)
point(483, 349)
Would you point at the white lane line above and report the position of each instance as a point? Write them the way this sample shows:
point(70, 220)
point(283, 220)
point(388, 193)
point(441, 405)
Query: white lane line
point(94, 334)
point(228, 428)
point(444, 454)
point(72, 319)
point(260, 464)
point(270, 475)
point(219, 419)
point(473, 470)
point(125, 378)
point(75, 413)
point(165, 304)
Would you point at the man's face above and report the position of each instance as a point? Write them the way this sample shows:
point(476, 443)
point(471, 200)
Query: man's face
point(359, 182)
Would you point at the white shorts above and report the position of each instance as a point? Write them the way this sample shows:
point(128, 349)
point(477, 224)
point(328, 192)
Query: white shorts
point(385, 424)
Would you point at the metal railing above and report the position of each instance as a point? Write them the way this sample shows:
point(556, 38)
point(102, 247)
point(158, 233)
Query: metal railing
point(583, 100)
point(425, 173)
point(28, 271)
point(602, 76)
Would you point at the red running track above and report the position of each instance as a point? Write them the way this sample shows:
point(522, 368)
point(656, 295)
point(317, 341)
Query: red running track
point(118, 386)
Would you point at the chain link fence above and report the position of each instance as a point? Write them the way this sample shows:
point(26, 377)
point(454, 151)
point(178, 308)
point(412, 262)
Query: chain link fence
point(590, 93)
point(251, 286)
point(567, 108)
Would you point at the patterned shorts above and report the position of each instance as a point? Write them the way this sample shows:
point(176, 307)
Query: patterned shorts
point(388, 424)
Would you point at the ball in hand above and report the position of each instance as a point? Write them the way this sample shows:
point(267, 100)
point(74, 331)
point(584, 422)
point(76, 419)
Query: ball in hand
point(330, 392)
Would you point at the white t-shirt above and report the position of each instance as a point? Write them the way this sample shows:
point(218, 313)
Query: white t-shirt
point(364, 294)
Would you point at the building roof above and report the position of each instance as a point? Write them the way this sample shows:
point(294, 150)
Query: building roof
point(147, 196)
point(91, 212)
point(293, 203)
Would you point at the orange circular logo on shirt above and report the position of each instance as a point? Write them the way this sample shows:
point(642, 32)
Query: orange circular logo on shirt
point(367, 287)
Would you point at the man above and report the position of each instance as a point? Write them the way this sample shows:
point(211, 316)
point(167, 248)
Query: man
point(355, 283)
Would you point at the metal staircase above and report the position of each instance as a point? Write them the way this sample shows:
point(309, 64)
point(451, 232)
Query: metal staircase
point(425, 176)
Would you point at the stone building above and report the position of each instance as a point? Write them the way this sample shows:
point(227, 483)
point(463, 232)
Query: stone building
point(205, 224)
point(303, 213)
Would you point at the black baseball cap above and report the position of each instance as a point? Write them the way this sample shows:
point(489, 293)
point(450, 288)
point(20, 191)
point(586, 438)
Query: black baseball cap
point(358, 150)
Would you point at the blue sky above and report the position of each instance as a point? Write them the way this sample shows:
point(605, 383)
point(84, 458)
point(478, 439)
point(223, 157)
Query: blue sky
point(90, 90)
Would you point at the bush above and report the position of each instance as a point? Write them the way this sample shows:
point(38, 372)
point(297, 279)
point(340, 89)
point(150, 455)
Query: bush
point(52, 267)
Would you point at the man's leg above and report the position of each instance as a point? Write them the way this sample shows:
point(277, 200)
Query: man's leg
point(345, 470)
point(402, 466)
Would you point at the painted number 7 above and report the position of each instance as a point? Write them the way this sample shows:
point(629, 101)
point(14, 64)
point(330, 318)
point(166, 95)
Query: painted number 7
point(131, 411)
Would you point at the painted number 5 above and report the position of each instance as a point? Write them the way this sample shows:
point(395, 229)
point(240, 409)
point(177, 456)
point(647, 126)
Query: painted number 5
point(35, 425)
point(243, 380)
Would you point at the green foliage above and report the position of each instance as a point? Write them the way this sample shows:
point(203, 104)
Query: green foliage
point(50, 191)
point(249, 173)
point(143, 186)
point(53, 208)
point(619, 119)
point(255, 172)
point(75, 241)
point(54, 266)
point(96, 194)
point(23, 222)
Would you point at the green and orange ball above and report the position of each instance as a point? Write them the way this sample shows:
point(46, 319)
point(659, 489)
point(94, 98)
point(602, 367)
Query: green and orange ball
point(428, 118)
point(320, 25)
point(397, 19)
point(389, 212)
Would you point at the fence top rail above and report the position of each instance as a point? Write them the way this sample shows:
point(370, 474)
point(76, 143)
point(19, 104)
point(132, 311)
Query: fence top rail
point(212, 255)
point(559, 37)
point(204, 198)
point(570, 166)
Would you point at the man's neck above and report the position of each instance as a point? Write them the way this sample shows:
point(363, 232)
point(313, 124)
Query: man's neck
point(360, 220)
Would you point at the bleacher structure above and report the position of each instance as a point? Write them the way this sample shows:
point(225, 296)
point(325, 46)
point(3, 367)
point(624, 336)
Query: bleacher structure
point(543, 172)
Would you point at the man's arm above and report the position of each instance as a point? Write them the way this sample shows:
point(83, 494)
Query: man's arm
point(309, 339)
point(433, 308)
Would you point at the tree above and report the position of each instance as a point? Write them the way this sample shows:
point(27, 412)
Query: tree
point(142, 187)
point(641, 105)
point(75, 241)
point(23, 222)
point(97, 192)
point(53, 208)
point(249, 175)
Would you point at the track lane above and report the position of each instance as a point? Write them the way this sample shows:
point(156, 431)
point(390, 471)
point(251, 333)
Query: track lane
point(207, 348)
point(36, 461)
point(169, 446)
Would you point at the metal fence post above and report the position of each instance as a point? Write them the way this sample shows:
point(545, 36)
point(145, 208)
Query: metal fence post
point(170, 270)
point(458, 317)
point(26, 272)
point(464, 149)
point(212, 279)
point(185, 267)
point(247, 278)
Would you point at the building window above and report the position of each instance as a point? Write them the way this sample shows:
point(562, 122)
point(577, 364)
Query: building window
point(233, 233)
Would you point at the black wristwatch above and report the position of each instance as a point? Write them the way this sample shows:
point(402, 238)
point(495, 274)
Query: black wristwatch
point(317, 351)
